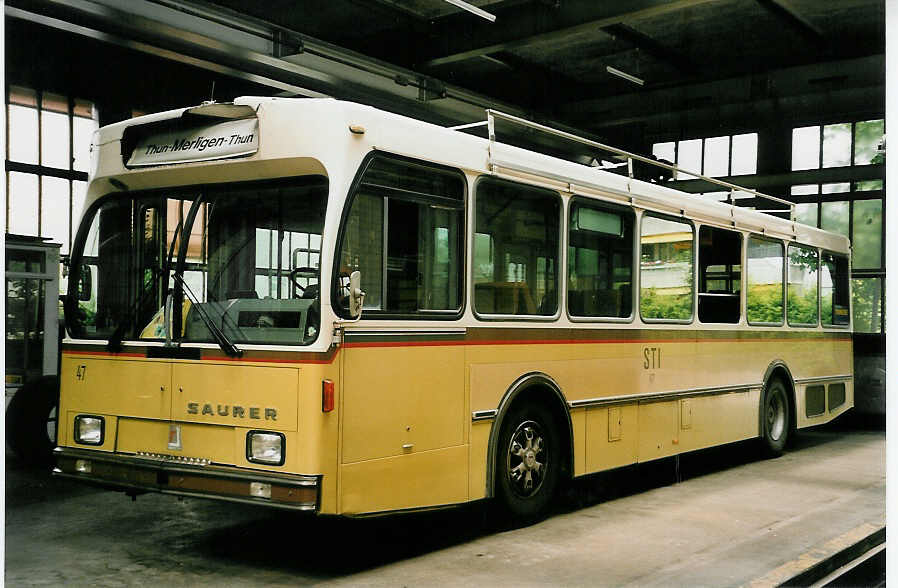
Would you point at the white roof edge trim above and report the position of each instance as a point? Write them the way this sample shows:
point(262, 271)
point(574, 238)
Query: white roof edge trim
point(538, 165)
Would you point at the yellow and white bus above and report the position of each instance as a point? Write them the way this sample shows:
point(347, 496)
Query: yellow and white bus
point(317, 305)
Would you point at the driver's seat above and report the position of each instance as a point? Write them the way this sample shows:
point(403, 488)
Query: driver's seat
point(310, 292)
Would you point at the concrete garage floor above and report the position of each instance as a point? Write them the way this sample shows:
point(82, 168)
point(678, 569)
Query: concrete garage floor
point(731, 520)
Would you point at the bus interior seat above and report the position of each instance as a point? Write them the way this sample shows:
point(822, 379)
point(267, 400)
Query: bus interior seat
point(718, 309)
point(575, 302)
point(504, 298)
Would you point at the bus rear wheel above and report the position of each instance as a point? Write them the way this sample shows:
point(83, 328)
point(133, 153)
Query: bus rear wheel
point(774, 418)
point(528, 463)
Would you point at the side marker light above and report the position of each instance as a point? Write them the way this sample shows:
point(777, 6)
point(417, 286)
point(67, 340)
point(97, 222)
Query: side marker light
point(327, 396)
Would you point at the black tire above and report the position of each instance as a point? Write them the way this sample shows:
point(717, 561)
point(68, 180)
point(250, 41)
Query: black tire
point(31, 420)
point(528, 463)
point(775, 418)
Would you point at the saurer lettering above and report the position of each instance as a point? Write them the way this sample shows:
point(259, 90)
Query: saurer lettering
point(235, 411)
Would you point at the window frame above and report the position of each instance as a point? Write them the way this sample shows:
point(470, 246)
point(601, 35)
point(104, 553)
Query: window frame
point(684, 220)
point(817, 251)
point(70, 296)
point(783, 281)
point(42, 170)
point(854, 195)
point(634, 252)
point(560, 272)
point(743, 253)
point(676, 152)
point(352, 193)
point(848, 279)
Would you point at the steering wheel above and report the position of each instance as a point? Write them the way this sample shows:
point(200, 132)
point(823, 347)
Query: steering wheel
point(301, 272)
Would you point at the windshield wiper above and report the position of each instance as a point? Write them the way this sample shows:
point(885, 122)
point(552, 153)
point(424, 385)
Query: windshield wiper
point(220, 337)
point(181, 288)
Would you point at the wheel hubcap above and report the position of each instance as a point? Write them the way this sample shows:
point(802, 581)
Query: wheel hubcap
point(776, 417)
point(526, 460)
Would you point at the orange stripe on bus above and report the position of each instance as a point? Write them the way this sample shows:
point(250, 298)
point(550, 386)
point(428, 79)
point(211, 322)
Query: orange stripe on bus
point(494, 342)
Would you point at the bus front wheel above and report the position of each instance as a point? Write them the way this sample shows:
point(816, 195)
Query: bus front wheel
point(774, 418)
point(528, 460)
point(31, 420)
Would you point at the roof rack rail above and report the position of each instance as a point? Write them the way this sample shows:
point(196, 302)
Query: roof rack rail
point(493, 115)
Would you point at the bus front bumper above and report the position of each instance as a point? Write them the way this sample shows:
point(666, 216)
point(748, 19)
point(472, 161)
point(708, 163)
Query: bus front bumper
point(135, 474)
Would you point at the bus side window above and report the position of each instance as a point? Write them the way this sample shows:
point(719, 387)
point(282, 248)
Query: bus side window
point(666, 280)
point(764, 295)
point(834, 298)
point(516, 249)
point(720, 275)
point(801, 292)
point(600, 261)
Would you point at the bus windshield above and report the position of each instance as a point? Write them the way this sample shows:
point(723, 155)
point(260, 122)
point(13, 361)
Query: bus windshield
point(247, 262)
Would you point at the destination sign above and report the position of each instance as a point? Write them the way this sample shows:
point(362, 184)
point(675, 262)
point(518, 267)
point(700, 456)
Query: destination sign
point(234, 138)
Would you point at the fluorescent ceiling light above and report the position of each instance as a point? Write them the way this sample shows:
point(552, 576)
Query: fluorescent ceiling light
point(472, 9)
point(621, 74)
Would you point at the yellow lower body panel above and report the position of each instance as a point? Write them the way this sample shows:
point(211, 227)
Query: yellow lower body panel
point(611, 437)
point(706, 421)
point(214, 443)
point(415, 480)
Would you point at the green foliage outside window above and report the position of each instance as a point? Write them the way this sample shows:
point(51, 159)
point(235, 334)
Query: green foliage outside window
point(764, 303)
point(803, 306)
point(667, 306)
point(867, 304)
point(801, 296)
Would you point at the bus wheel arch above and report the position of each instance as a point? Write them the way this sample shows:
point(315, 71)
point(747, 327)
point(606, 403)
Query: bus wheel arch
point(532, 412)
point(779, 386)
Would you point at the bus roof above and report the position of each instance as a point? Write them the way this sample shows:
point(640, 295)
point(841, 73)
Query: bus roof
point(390, 132)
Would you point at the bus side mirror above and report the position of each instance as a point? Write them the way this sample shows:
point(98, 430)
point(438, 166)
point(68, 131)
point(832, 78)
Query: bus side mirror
point(356, 296)
point(85, 283)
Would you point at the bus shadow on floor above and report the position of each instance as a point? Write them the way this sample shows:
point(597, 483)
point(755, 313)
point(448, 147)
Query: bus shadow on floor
point(610, 485)
point(333, 547)
point(29, 483)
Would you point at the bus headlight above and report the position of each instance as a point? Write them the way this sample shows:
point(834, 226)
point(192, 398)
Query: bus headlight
point(89, 429)
point(265, 447)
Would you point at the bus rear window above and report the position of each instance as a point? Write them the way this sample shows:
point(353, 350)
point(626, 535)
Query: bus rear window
point(834, 298)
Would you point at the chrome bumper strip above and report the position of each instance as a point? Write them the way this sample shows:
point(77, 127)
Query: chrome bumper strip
point(164, 466)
